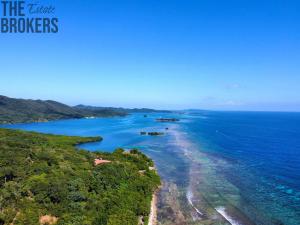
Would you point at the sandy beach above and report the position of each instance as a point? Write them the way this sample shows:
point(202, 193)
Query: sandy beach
point(153, 211)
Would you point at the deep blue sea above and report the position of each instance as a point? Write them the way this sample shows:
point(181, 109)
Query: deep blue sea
point(217, 167)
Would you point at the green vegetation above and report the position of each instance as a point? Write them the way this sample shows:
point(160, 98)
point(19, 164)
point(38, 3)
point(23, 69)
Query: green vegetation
point(20, 111)
point(123, 110)
point(46, 175)
point(14, 110)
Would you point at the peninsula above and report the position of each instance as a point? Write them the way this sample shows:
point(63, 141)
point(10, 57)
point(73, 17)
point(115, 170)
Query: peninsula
point(45, 179)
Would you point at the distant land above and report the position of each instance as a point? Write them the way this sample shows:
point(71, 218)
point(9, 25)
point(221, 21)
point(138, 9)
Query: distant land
point(14, 110)
point(121, 110)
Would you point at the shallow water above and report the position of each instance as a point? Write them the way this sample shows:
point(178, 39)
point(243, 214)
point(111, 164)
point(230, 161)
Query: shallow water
point(217, 167)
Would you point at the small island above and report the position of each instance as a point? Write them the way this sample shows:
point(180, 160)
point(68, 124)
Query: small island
point(167, 120)
point(152, 133)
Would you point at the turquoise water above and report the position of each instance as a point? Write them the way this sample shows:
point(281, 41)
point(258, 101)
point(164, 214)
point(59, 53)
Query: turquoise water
point(217, 167)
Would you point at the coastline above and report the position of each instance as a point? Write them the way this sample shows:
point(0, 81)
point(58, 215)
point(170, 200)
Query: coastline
point(153, 209)
point(64, 147)
point(192, 178)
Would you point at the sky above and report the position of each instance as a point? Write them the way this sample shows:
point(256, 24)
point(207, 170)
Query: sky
point(164, 54)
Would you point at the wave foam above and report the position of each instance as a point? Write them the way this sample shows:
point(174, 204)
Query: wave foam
point(189, 196)
point(222, 211)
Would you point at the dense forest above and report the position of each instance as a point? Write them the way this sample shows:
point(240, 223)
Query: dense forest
point(121, 110)
point(14, 110)
point(45, 179)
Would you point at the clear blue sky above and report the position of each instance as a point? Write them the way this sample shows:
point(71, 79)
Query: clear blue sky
point(211, 54)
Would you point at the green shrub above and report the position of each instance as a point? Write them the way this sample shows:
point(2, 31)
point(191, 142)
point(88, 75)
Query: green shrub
point(46, 175)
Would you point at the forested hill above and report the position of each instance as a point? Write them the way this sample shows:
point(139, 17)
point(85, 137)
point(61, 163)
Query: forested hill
point(20, 110)
point(123, 110)
point(14, 110)
point(45, 180)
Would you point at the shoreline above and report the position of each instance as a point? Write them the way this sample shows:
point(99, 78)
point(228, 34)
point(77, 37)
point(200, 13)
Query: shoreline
point(153, 209)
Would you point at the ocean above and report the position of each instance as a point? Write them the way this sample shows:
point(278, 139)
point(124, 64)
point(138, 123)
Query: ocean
point(238, 168)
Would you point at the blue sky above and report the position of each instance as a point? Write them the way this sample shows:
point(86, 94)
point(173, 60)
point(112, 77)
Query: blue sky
point(173, 54)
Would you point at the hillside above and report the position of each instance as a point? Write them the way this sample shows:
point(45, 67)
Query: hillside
point(43, 178)
point(14, 110)
point(20, 110)
point(122, 110)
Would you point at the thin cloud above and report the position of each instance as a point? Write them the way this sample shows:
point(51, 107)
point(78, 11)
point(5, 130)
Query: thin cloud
point(232, 86)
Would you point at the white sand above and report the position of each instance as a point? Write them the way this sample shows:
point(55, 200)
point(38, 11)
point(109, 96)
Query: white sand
point(153, 211)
